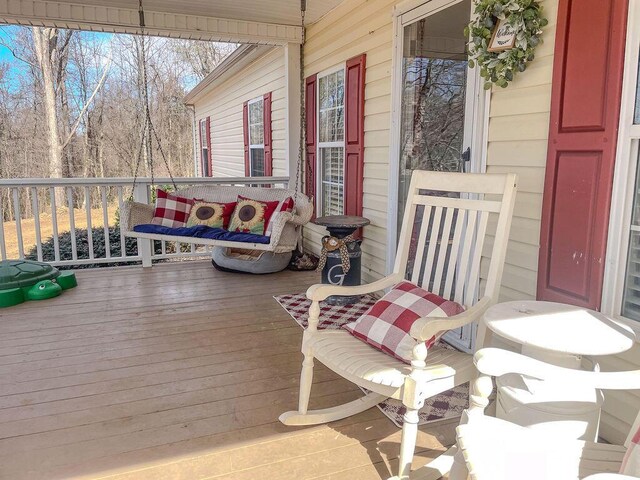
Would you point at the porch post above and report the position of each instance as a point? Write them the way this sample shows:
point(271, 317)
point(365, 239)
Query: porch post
point(141, 195)
point(292, 112)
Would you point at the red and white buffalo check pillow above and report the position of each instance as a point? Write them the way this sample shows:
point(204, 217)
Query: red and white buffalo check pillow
point(171, 210)
point(387, 323)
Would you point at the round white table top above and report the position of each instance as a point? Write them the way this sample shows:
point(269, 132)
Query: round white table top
point(559, 328)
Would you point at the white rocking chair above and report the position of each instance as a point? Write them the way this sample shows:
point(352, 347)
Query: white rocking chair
point(494, 449)
point(450, 232)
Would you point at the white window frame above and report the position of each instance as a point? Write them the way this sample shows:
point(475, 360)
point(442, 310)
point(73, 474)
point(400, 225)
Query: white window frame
point(320, 145)
point(249, 124)
point(204, 145)
point(627, 161)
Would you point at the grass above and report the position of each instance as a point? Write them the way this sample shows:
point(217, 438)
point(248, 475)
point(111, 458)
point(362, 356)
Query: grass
point(46, 227)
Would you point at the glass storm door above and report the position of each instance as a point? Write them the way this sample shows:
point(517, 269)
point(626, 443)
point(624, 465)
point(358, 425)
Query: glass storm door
point(437, 103)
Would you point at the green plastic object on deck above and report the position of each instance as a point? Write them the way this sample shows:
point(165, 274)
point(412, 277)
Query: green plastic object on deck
point(22, 280)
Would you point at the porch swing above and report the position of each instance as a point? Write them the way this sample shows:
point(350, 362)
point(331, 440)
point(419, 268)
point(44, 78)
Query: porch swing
point(285, 226)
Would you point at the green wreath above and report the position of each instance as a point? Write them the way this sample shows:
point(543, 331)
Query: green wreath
point(525, 17)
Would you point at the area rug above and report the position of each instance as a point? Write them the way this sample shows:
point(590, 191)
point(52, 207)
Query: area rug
point(444, 406)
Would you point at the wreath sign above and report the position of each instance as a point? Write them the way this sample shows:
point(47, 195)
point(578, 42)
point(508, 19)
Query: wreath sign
point(525, 17)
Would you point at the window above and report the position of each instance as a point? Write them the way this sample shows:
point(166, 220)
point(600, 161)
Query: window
point(334, 140)
point(631, 293)
point(256, 138)
point(331, 148)
point(205, 139)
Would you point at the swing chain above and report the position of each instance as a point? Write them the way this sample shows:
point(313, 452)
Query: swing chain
point(303, 119)
point(148, 130)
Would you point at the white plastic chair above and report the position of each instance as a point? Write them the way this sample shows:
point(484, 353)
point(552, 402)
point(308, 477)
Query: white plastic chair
point(449, 238)
point(494, 449)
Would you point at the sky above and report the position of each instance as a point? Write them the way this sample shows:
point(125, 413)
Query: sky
point(18, 67)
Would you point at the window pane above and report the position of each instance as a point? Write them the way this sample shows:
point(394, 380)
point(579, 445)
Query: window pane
point(257, 162)
point(256, 135)
point(631, 297)
point(636, 118)
point(331, 108)
point(340, 87)
point(203, 133)
point(205, 162)
point(255, 112)
point(332, 180)
point(256, 123)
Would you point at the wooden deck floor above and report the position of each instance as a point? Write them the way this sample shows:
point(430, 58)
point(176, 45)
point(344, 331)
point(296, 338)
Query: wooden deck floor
point(177, 372)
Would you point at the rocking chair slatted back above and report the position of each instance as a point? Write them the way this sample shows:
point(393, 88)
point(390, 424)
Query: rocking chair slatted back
point(444, 230)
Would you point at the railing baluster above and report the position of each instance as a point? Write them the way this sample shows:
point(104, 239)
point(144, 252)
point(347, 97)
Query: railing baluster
point(36, 218)
point(87, 208)
point(66, 190)
point(72, 223)
point(123, 242)
point(54, 224)
point(16, 215)
point(3, 246)
point(105, 220)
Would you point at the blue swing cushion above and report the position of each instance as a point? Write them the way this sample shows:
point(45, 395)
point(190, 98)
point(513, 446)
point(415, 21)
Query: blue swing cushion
point(203, 231)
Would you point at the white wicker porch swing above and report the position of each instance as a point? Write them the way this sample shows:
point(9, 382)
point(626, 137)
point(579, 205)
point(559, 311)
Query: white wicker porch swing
point(286, 225)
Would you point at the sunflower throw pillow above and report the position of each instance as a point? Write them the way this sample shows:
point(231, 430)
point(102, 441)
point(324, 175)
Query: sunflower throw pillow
point(252, 216)
point(211, 214)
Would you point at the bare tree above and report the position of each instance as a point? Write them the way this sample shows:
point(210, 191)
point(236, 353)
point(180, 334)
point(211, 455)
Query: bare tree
point(202, 57)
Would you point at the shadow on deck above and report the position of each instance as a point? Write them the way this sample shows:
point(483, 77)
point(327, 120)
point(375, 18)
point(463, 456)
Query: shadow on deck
point(176, 372)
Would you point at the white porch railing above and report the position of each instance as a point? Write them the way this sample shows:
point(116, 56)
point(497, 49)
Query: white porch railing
point(43, 211)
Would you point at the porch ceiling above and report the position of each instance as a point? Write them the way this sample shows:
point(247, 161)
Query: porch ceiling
point(247, 21)
point(283, 12)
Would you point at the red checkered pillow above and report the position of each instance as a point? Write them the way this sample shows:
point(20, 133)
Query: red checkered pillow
point(171, 210)
point(284, 206)
point(386, 325)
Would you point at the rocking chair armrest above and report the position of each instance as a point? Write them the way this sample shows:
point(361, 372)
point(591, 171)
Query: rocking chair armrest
point(496, 362)
point(425, 328)
point(321, 291)
point(135, 213)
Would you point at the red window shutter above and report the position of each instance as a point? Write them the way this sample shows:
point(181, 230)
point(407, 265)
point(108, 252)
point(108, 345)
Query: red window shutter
point(245, 132)
point(268, 154)
point(310, 134)
point(585, 106)
point(354, 134)
point(209, 150)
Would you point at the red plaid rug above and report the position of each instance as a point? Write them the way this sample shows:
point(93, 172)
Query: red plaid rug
point(446, 405)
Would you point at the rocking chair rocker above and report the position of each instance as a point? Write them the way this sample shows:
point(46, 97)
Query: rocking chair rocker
point(445, 222)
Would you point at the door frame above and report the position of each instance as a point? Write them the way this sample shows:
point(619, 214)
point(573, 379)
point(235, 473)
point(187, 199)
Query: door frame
point(476, 124)
point(624, 178)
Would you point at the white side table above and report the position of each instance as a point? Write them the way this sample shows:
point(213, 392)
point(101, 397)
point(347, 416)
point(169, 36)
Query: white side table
point(559, 334)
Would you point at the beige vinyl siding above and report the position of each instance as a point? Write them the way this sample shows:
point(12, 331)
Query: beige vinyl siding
point(223, 103)
point(517, 143)
point(353, 28)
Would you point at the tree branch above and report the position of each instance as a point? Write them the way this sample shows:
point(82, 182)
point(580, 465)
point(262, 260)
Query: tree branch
point(86, 105)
